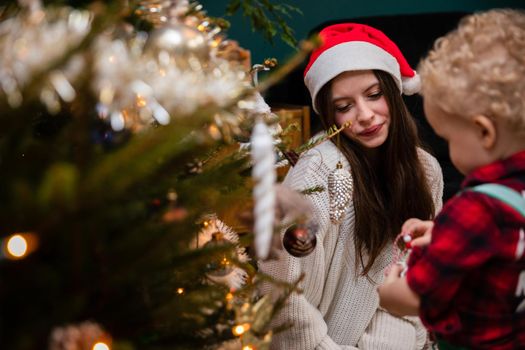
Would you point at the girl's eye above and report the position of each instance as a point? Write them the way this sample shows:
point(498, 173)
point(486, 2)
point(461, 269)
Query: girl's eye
point(375, 95)
point(343, 108)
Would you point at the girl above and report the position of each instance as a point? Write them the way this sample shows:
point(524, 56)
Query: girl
point(356, 77)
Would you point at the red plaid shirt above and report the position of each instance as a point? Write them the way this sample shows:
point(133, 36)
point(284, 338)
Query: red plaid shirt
point(471, 278)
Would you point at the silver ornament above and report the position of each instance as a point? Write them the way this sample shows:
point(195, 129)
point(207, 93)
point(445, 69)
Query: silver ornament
point(161, 12)
point(177, 42)
point(340, 187)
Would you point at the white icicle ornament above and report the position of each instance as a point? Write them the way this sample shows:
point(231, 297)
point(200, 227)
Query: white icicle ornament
point(340, 187)
point(264, 176)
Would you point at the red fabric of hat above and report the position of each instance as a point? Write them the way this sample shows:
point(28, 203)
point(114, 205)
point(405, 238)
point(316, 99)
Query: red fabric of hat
point(353, 46)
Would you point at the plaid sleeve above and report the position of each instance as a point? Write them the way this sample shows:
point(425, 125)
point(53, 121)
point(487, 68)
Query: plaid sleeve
point(462, 239)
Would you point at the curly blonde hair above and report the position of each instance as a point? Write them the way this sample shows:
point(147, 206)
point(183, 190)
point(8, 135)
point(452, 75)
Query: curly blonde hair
point(479, 68)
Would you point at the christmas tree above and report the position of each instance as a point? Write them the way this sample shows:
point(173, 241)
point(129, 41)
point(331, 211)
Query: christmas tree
point(122, 176)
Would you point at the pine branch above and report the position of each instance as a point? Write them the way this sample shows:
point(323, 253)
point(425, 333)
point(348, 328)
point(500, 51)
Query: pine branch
point(313, 190)
point(266, 17)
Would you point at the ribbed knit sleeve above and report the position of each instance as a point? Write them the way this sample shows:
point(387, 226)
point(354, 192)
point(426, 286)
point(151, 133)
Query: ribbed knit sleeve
point(388, 332)
point(309, 329)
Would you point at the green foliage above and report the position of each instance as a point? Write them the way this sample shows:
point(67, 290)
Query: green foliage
point(58, 186)
point(104, 251)
point(313, 190)
point(97, 202)
point(267, 17)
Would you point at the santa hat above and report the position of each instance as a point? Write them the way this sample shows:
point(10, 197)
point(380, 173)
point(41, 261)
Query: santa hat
point(352, 46)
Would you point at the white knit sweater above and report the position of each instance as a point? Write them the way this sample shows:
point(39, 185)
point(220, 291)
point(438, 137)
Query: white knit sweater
point(338, 310)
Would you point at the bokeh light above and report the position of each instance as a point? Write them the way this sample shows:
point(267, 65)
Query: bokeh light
point(101, 346)
point(17, 246)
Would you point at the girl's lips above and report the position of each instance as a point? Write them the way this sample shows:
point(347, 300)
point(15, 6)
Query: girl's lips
point(371, 131)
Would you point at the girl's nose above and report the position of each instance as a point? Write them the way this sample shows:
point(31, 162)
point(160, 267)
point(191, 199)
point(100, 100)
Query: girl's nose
point(364, 112)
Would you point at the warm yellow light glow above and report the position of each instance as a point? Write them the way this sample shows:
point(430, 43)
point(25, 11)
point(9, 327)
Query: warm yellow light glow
point(106, 94)
point(247, 347)
point(216, 42)
point(214, 131)
point(240, 329)
point(17, 246)
point(205, 223)
point(101, 346)
point(229, 296)
point(141, 101)
point(180, 290)
point(225, 262)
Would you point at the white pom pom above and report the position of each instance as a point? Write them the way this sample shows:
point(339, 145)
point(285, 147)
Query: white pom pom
point(411, 85)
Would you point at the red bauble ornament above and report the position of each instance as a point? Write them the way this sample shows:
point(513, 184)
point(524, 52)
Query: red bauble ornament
point(299, 240)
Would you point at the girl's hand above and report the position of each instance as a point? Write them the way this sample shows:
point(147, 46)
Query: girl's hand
point(385, 290)
point(420, 230)
point(396, 296)
point(393, 275)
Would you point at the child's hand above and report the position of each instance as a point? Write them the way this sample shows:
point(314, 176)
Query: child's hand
point(421, 231)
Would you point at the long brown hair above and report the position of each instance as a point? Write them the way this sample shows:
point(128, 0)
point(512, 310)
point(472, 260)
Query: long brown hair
point(393, 190)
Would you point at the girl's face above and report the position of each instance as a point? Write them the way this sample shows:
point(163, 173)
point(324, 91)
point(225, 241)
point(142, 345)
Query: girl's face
point(357, 97)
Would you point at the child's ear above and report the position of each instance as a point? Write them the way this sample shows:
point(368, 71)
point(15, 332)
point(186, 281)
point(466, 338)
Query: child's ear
point(486, 129)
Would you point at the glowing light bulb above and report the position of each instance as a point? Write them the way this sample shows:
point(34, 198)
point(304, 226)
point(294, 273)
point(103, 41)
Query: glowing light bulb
point(214, 132)
point(101, 346)
point(240, 329)
point(140, 101)
point(17, 246)
point(247, 347)
point(180, 290)
point(216, 42)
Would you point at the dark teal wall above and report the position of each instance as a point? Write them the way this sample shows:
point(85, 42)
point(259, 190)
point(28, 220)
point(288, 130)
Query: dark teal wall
point(316, 12)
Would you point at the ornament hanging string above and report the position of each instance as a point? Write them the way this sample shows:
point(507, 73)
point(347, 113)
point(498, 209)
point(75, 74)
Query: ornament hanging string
point(400, 256)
